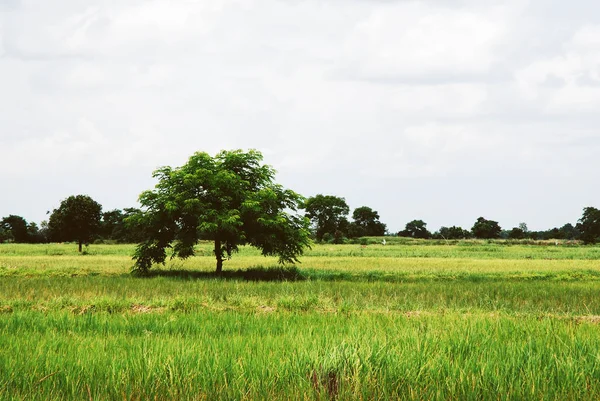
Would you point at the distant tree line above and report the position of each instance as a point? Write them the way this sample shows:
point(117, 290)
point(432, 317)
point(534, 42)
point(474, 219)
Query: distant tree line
point(17, 229)
point(79, 218)
point(231, 199)
point(329, 223)
point(328, 216)
point(587, 230)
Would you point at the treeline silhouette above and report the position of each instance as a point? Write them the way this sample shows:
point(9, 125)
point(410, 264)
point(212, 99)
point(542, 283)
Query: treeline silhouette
point(112, 228)
point(330, 223)
point(329, 218)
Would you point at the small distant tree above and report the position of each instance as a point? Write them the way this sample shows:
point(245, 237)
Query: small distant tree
point(415, 229)
point(230, 199)
point(112, 224)
point(35, 236)
point(328, 215)
point(76, 219)
point(17, 227)
point(116, 226)
point(523, 227)
point(366, 223)
point(516, 233)
point(130, 232)
point(589, 225)
point(453, 232)
point(553, 233)
point(569, 232)
point(486, 229)
point(44, 231)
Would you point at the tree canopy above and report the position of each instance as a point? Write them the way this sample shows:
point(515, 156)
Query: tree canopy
point(589, 225)
point(76, 219)
point(116, 226)
point(486, 229)
point(453, 232)
point(15, 228)
point(366, 223)
point(328, 215)
point(516, 233)
point(415, 229)
point(230, 199)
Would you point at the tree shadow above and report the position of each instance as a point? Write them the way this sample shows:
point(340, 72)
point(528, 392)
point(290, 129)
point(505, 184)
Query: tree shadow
point(257, 273)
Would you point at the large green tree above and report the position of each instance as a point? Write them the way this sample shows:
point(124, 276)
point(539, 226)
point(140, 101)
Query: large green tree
point(76, 219)
point(328, 215)
point(230, 199)
point(589, 225)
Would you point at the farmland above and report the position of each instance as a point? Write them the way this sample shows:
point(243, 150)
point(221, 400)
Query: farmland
point(410, 320)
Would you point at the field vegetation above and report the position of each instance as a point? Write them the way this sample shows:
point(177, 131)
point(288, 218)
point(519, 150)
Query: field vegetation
point(414, 319)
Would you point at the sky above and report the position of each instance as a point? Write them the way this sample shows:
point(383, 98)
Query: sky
point(440, 110)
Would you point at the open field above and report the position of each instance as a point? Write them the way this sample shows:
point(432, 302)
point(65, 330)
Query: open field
point(471, 320)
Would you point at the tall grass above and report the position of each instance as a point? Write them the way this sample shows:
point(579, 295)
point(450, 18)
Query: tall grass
point(414, 249)
point(228, 356)
point(416, 322)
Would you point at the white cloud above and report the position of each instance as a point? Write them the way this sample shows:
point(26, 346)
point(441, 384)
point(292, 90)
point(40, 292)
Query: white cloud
point(417, 38)
point(363, 99)
point(440, 100)
point(576, 71)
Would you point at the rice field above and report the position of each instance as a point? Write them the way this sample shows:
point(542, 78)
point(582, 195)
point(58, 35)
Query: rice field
point(408, 320)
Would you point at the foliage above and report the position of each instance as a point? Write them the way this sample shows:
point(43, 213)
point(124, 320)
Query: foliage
point(112, 224)
point(116, 226)
point(17, 227)
point(35, 234)
point(366, 223)
point(567, 232)
point(453, 232)
point(486, 229)
point(5, 235)
point(523, 227)
point(415, 229)
point(516, 233)
point(230, 199)
point(76, 219)
point(589, 225)
point(328, 215)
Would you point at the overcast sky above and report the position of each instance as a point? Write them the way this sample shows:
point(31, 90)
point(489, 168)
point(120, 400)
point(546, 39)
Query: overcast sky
point(440, 110)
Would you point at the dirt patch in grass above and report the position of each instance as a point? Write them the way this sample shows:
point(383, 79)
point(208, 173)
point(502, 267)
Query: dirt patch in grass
point(266, 309)
point(6, 309)
point(594, 319)
point(417, 313)
point(146, 309)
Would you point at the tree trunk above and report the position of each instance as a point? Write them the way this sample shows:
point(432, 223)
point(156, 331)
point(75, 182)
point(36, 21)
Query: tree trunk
point(80, 242)
point(219, 256)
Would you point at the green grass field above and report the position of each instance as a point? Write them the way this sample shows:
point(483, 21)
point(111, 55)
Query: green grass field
point(409, 320)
